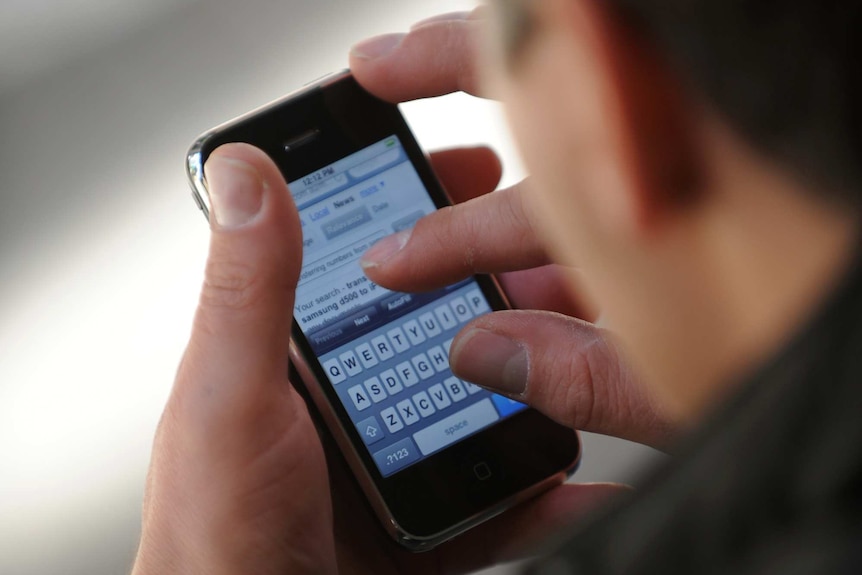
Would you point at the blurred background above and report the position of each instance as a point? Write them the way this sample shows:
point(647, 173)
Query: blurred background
point(102, 249)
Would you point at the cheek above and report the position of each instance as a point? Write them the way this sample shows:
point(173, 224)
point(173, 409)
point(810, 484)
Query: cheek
point(559, 123)
point(555, 137)
point(553, 194)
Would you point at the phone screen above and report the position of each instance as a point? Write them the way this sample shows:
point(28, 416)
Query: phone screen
point(385, 353)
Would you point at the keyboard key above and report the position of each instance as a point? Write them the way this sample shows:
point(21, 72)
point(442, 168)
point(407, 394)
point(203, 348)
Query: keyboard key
point(430, 324)
point(439, 396)
point(414, 332)
point(445, 317)
point(350, 362)
point(455, 389)
point(423, 366)
point(462, 311)
point(375, 389)
point(438, 358)
point(370, 430)
point(471, 388)
point(398, 339)
point(447, 345)
point(423, 404)
point(334, 371)
point(396, 456)
point(391, 381)
point(407, 375)
point(507, 406)
point(407, 411)
point(456, 427)
point(366, 355)
point(477, 302)
point(383, 348)
point(391, 420)
point(360, 397)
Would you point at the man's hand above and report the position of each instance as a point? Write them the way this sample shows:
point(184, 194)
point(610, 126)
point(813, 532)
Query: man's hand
point(238, 481)
point(563, 366)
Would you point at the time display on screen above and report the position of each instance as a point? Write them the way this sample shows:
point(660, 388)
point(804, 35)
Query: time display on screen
point(318, 176)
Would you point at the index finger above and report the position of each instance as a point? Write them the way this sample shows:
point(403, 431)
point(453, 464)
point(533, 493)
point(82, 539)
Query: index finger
point(436, 57)
point(489, 234)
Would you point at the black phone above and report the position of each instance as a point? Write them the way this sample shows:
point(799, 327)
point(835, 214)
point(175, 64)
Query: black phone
point(434, 455)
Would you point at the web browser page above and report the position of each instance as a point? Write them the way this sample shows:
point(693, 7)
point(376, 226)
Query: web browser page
point(386, 353)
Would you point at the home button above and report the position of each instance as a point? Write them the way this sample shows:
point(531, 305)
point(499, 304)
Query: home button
point(482, 471)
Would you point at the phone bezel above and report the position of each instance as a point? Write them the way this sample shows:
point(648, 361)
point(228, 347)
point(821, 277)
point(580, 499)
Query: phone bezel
point(349, 119)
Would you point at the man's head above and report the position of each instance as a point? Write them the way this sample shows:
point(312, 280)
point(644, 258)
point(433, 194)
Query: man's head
point(700, 160)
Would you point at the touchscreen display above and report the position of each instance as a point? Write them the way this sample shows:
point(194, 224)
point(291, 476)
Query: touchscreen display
point(385, 353)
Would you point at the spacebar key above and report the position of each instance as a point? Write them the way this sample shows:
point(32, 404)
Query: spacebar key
point(456, 427)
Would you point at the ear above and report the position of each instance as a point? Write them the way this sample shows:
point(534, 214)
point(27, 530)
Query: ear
point(649, 113)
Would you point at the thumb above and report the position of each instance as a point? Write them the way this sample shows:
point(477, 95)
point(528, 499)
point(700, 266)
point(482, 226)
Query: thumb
point(236, 444)
point(566, 368)
point(241, 333)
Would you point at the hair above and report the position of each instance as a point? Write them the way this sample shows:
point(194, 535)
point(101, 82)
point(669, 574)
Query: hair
point(780, 72)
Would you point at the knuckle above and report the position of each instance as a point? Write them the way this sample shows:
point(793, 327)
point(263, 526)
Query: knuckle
point(230, 285)
point(580, 396)
point(515, 216)
point(466, 230)
point(574, 384)
point(521, 213)
point(607, 380)
point(456, 229)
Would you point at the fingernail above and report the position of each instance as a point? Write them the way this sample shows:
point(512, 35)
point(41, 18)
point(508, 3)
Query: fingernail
point(376, 47)
point(235, 189)
point(450, 17)
point(492, 361)
point(385, 249)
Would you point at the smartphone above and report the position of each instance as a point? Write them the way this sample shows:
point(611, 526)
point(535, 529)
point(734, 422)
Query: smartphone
point(433, 454)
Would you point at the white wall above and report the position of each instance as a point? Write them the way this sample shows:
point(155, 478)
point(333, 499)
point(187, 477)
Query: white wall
point(102, 249)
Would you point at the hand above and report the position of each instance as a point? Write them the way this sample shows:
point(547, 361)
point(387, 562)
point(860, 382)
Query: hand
point(238, 481)
point(567, 368)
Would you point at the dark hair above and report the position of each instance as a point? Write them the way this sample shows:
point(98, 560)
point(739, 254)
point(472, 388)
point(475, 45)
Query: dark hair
point(781, 72)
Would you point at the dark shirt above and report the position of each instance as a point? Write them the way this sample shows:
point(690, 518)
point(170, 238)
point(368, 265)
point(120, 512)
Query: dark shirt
point(771, 484)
